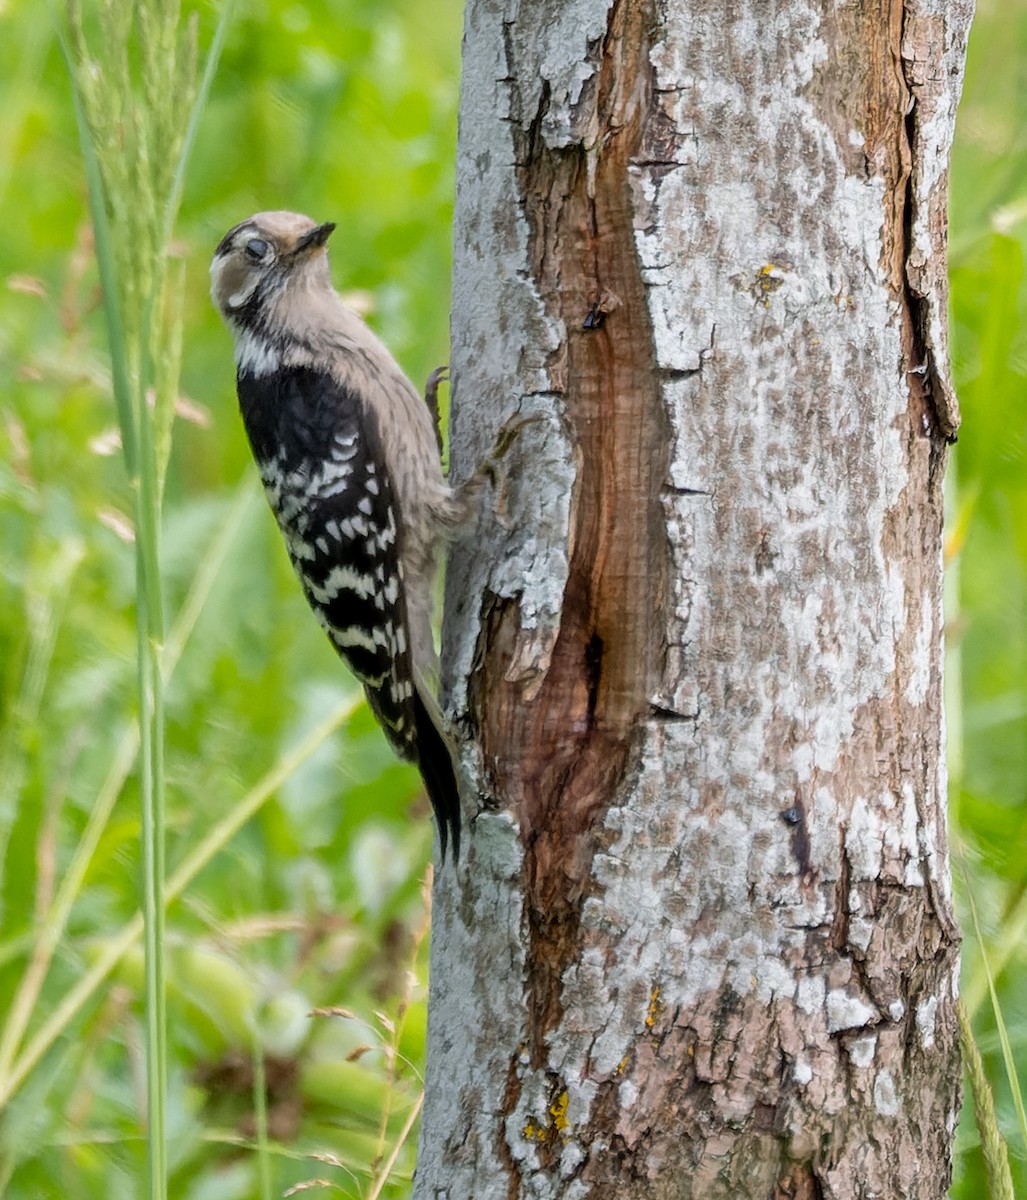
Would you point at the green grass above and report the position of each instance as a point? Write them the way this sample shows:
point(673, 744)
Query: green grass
point(987, 685)
point(294, 846)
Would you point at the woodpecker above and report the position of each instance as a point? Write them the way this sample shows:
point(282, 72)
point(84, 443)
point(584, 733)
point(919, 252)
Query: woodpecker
point(348, 455)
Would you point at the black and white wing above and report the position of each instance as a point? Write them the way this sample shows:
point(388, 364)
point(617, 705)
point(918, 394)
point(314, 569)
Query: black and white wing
point(321, 462)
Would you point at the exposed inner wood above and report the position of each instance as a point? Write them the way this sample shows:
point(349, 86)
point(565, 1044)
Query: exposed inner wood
point(559, 756)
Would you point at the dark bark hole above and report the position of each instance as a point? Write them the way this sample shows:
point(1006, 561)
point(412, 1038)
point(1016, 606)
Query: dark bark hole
point(593, 672)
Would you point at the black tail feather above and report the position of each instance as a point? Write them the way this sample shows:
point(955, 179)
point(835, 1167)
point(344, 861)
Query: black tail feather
point(436, 766)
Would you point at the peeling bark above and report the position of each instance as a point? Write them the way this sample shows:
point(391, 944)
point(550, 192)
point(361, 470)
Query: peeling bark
point(558, 757)
point(702, 940)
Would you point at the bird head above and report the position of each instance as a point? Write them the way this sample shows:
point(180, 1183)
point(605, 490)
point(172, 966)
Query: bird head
point(263, 259)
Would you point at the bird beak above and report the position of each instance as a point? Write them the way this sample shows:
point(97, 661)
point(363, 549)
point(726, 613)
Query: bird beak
point(316, 237)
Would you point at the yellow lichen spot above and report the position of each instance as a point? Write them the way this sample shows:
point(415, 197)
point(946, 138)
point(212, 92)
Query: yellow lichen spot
point(768, 279)
point(656, 1007)
point(531, 1132)
point(622, 1065)
point(558, 1110)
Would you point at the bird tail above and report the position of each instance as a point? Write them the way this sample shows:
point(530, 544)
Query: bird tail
point(436, 766)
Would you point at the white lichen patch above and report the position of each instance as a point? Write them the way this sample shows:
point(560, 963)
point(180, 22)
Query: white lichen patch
point(845, 1010)
point(559, 47)
point(773, 980)
point(862, 1050)
point(861, 930)
point(810, 994)
point(924, 660)
point(886, 1098)
point(864, 840)
point(926, 1020)
point(802, 1072)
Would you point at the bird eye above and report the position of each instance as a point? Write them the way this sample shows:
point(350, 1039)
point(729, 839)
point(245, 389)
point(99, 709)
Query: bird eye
point(256, 249)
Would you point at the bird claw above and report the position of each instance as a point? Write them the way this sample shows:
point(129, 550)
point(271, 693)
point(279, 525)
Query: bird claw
point(431, 398)
point(508, 433)
point(492, 467)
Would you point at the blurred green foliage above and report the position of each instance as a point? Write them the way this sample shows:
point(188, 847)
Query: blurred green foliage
point(346, 110)
point(987, 610)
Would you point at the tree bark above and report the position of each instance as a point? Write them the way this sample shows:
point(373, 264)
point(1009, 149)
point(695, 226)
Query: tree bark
point(701, 942)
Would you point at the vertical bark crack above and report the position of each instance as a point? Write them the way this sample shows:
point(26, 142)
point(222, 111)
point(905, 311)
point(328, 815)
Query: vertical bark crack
point(920, 371)
point(579, 210)
point(932, 401)
point(510, 1097)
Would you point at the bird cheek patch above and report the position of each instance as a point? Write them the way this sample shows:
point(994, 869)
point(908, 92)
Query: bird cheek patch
point(236, 284)
point(239, 297)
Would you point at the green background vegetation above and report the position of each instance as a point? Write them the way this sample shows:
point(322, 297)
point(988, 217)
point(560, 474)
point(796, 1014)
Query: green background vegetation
point(345, 110)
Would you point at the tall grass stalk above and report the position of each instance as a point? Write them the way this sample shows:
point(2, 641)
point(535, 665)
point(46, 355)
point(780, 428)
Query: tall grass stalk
point(1007, 941)
point(260, 1118)
point(385, 1173)
point(134, 100)
point(141, 468)
point(993, 1144)
point(1008, 1057)
point(54, 924)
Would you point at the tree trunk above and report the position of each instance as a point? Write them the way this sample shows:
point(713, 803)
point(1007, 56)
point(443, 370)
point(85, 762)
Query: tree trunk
point(701, 942)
